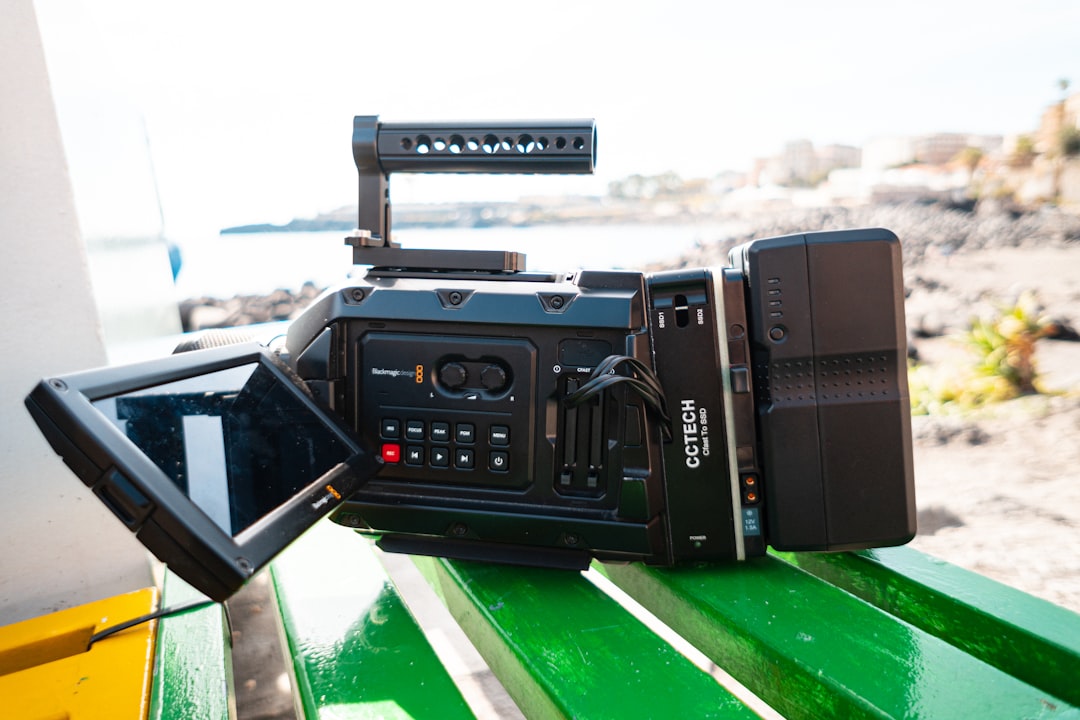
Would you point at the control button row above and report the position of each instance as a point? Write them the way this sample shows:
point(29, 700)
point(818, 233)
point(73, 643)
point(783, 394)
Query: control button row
point(439, 457)
point(390, 429)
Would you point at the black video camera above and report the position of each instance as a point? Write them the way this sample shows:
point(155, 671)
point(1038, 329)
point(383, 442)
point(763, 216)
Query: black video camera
point(455, 404)
point(549, 418)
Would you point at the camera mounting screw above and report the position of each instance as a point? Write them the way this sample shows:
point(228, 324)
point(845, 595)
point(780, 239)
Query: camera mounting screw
point(349, 519)
point(554, 302)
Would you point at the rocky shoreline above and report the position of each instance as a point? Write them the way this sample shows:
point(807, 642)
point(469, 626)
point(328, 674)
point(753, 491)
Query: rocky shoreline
point(205, 313)
point(930, 234)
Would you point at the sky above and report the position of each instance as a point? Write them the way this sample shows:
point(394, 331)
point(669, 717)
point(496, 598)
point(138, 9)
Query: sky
point(241, 112)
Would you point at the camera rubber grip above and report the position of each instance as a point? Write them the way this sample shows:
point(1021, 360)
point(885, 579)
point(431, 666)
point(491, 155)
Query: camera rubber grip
point(217, 337)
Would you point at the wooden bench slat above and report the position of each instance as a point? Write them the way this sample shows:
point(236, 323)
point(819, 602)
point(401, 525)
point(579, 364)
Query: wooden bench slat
point(563, 648)
point(355, 648)
point(192, 660)
point(1026, 637)
point(812, 650)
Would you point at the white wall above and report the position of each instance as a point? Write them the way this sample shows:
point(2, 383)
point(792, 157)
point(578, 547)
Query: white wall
point(59, 547)
point(107, 147)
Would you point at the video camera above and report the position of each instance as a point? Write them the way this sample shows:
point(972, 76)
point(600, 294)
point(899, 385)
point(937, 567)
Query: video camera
point(530, 417)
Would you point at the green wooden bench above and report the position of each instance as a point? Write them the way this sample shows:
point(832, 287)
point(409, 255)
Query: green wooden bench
point(883, 633)
point(192, 676)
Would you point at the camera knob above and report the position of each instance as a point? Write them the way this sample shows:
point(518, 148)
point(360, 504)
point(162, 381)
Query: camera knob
point(493, 377)
point(453, 375)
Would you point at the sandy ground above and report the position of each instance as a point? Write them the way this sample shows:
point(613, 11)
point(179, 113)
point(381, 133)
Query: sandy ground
point(998, 490)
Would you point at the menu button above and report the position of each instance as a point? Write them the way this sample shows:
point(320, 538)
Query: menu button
point(499, 435)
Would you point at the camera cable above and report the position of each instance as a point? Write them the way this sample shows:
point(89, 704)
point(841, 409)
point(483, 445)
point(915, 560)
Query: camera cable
point(642, 381)
point(162, 613)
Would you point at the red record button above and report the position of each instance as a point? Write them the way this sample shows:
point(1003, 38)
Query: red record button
point(391, 452)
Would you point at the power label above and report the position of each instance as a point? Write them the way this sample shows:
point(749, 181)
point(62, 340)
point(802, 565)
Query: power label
point(751, 522)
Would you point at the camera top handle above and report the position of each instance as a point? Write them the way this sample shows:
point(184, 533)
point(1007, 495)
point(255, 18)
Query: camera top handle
point(522, 147)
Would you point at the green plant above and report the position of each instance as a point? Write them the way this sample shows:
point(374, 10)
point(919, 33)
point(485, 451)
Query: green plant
point(1023, 153)
point(1069, 141)
point(1003, 352)
point(1005, 345)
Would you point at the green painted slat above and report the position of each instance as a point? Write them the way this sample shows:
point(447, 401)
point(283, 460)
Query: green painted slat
point(812, 650)
point(192, 660)
point(356, 651)
point(563, 648)
point(1024, 636)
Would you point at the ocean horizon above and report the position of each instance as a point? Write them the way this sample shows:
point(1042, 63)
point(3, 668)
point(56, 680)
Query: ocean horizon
point(223, 266)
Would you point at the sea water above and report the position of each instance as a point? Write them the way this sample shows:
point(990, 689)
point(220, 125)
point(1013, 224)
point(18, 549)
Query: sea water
point(258, 263)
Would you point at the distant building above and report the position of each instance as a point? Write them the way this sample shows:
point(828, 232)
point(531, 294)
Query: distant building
point(835, 157)
point(934, 149)
point(800, 163)
point(939, 148)
point(1055, 119)
point(882, 153)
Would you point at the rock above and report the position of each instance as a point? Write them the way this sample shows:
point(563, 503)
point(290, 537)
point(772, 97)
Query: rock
point(201, 317)
point(204, 313)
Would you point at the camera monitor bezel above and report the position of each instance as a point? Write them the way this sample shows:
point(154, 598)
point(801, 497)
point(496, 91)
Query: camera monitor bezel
point(153, 505)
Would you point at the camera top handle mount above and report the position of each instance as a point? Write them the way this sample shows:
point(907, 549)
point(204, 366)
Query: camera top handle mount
point(520, 147)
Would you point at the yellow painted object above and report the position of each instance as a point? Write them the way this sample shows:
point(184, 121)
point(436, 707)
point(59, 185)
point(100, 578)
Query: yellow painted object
point(46, 670)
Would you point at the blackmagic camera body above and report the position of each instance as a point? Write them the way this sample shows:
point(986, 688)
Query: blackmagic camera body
point(455, 404)
point(550, 418)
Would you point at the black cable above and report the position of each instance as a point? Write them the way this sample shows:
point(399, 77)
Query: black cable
point(642, 381)
point(164, 612)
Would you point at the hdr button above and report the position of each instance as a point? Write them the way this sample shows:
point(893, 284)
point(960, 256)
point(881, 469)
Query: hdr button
point(390, 428)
